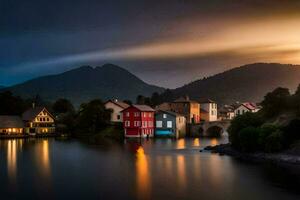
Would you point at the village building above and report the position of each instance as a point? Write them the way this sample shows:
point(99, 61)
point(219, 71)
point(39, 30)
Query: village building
point(246, 107)
point(226, 112)
point(38, 120)
point(116, 106)
point(171, 124)
point(209, 110)
point(11, 125)
point(188, 108)
point(138, 121)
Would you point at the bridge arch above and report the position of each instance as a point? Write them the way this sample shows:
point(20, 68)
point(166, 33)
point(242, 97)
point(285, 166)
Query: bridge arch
point(214, 131)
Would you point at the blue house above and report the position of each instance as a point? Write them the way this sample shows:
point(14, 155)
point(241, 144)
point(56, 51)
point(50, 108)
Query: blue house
point(169, 124)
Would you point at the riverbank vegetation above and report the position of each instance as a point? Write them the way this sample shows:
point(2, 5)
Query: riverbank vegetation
point(274, 128)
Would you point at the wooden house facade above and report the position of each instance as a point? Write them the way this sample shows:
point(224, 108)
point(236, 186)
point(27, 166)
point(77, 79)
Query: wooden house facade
point(138, 121)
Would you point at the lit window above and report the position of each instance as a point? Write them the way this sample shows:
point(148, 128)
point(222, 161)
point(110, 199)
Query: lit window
point(164, 116)
point(158, 124)
point(127, 114)
point(169, 124)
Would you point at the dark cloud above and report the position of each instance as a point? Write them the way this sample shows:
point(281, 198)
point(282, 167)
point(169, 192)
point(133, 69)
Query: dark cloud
point(33, 31)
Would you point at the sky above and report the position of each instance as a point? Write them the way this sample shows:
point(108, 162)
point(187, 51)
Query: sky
point(164, 42)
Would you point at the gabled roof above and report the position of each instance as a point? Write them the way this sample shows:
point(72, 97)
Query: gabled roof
point(248, 105)
point(11, 121)
point(170, 112)
point(118, 103)
point(31, 113)
point(206, 100)
point(142, 108)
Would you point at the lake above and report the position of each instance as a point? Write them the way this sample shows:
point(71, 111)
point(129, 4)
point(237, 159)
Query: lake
point(149, 169)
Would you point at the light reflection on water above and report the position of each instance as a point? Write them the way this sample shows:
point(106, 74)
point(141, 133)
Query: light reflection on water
point(12, 160)
point(141, 170)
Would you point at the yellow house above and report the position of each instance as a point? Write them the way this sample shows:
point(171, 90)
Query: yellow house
point(188, 108)
point(38, 120)
point(11, 125)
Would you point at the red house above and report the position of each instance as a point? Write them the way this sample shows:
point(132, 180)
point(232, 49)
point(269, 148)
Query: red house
point(138, 121)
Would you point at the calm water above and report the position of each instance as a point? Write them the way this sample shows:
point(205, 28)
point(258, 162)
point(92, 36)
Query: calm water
point(154, 169)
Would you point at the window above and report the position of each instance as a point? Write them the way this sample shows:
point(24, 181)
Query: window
point(145, 114)
point(150, 115)
point(47, 119)
point(137, 123)
point(150, 124)
point(169, 124)
point(127, 114)
point(158, 124)
point(164, 116)
point(144, 124)
point(127, 123)
point(118, 117)
point(136, 114)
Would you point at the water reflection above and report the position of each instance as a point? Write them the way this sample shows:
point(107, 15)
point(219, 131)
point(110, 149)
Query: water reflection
point(142, 174)
point(181, 173)
point(12, 160)
point(42, 158)
point(181, 143)
point(196, 142)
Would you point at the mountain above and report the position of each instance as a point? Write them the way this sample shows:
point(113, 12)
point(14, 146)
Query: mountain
point(86, 83)
point(246, 83)
point(1, 86)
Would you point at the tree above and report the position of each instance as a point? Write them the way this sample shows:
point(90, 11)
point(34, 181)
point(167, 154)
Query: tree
point(127, 101)
point(274, 142)
point(93, 117)
point(141, 100)
point(276, 101)
point(296, 101)
point(241, 122)
point(248, 138)
point(265, 131)
point(65, 115)
point(63, 106)
point(155, 99)
point(12, 105)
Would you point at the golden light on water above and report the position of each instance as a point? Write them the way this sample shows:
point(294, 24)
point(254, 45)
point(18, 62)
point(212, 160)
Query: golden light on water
point(180, 144)
point(142, 175)
point(196, 142)
point(181, 173)
point(12, 159)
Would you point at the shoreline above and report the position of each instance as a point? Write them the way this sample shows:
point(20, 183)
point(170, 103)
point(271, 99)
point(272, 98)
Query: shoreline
point(278, 158)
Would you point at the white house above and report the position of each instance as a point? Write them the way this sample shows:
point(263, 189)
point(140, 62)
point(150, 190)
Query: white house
point(116, 106)
point(246, 107)
point(209, 110)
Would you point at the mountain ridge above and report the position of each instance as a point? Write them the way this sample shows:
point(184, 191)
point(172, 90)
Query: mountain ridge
point(245, 83)
point(85, 83)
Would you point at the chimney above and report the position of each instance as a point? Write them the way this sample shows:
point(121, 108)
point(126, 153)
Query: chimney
point(33, 105)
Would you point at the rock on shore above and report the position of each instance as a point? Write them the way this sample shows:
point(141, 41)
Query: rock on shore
point(226, 149)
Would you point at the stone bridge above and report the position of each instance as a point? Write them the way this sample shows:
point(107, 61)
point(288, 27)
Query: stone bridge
point(216, 128)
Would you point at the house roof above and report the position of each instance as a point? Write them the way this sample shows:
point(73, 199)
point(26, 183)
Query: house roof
point(203, 111)
point(119, 103)
point(31, 113)
point(11, 121)
point(170, 112)
point(185, 100)
point(249, 105)
point(206, 100)
point(143, 108)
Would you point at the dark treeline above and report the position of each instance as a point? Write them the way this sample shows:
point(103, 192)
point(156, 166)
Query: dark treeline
point(275, 127)
point(156, 98)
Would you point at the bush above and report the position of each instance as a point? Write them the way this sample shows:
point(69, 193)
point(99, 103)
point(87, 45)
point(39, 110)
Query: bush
point(241, 122)
point(274, 142)
point(292, 132)
point(248, 138)
point(265, 131)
